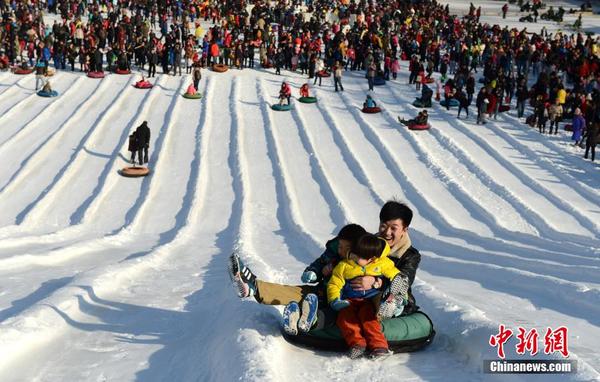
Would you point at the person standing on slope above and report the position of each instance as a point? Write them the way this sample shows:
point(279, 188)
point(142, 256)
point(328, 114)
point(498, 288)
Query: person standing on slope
point(143, 139)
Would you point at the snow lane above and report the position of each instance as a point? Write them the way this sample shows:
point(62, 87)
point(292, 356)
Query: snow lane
point(119, 277)
point(62, 206)
point(8, 81)
point(34, 107)
point(415, 173)
point(36, 155)
point(554, 153)
point(263, 214)
point(462, 178)
point(308, 205)
point(119, 199)
point(521, 180)
point(346, 189)
point(19, 91)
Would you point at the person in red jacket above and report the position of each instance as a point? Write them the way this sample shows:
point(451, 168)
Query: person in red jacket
point(285, 93)
point(304, 90)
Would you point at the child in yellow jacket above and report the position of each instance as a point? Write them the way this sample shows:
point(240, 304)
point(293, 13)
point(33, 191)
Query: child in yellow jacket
point(357, 317)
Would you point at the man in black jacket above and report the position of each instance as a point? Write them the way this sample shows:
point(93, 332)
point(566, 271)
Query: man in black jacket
point(143, 139)
point(394, 220)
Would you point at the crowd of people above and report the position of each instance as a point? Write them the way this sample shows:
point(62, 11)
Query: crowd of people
point(557, 73)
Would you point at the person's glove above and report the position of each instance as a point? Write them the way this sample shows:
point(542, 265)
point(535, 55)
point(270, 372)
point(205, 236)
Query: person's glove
point(309, 277)
point(338, 304)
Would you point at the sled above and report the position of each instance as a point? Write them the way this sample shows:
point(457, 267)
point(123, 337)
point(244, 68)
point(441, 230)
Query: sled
point(134, 172)
point(42, 93)
point(192, 96)
point(419, 103)
point(279, 107)
point(95, 74)
point(143, 85)
point(404, 334)
point(503, 108)
point(22, 71)
point(122, 71)
point(371, 110)
point(414, 126)
point(323, 73)
point(307, 99)
point(452, 101)
point(220, 68)
point(568, 127)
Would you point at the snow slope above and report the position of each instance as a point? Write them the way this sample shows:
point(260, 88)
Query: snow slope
point(106, 278)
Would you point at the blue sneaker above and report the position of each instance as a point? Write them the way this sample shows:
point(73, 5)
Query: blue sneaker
point(291, 314)
point(242, 277)
point(394, 297)
point(310, 306)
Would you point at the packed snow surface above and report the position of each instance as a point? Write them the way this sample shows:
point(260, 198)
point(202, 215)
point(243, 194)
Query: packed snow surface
point(106, 278)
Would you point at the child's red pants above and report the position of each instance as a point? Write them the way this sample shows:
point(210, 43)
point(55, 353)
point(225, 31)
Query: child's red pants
point(359, 326)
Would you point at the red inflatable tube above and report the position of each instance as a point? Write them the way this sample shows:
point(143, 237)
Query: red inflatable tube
point(419, 127)
point(143, 85)
point(23, 71)
point(121, 71)
point(323, 73)
point(371, 110)
point(95, 74)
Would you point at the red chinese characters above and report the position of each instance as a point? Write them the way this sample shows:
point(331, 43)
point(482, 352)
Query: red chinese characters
point(528, 341)
point(500, 339)
point(556, 341)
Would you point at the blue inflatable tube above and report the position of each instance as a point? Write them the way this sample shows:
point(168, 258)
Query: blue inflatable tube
point(42, 93)
point(379, 81)
point(453, 102)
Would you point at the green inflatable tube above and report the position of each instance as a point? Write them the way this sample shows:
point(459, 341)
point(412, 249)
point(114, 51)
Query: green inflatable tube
point(404, 334)
point(307, 99)
point(279, 107)
point(192, 96)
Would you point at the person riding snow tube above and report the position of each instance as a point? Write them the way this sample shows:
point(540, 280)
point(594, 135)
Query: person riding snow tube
point(285, 93)
point(370, 106)
point(407, 333)
point(304, 95)
point(143, 84)
point(95, 74)
point(191, 93)
point(452, 101)
point(425, 99)
point(417, 123)
point(47, 91)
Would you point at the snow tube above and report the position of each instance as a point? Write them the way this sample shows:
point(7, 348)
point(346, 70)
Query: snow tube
point(95, 74)
point(503, 108)
point(143, 85)
point(122, 71)
point(419, 103)
point(379, 81)
point(219, 68)
point(568, 127)
point(192, 96)
point(323, 73)
point(453, 102)
point(134, 172)
point(371, 110)
point(429, 80)
point(307, 99)
point(419, 127)
point(404, 334)
point(266, 65)
point(42, 93)
point(279, 107)
point(23, 71)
